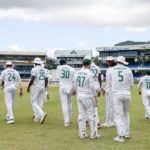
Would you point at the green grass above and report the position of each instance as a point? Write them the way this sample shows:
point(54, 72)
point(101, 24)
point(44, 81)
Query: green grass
point(52, 135)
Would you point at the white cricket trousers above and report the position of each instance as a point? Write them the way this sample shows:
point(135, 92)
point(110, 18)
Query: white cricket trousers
point(146, 103)
point(86, 106)
point(109, 108)
point(10, 94)
point(66, 103)
point(37, 99)
point(121, 105)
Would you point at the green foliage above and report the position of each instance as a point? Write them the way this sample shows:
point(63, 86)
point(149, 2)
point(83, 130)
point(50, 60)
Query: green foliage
point(52, 135)
point(97, 61)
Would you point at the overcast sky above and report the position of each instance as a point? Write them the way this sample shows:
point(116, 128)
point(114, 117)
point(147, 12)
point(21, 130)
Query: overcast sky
point(72, 24)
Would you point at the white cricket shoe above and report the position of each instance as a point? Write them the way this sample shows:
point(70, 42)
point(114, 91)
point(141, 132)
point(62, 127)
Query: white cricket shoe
point(97, 136)
point(7, 117)
point(10, 121)
point(36, 120)
point(66, 124)
point(127, 136)
point(106, 125)
point(43, 118)
point(111, 125)
point(118, 139)
point(83, 136)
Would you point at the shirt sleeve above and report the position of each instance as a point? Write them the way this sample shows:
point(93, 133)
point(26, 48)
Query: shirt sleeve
point(140, 83)
point(19, 80)
point(131, 79)
point(108, 80)
point(33, 72)
point(92, 84)
point(2, 77)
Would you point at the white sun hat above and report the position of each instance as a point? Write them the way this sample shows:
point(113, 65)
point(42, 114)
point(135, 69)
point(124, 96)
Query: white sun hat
point(8, 63)
point(87, 57)
point(122, 60)
point(110, 58)
point(37, 60)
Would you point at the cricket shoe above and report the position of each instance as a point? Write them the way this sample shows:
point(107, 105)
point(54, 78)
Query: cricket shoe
point(119, 139)
point(10, 121)
point(99, 126)
point(43, 118)
point(111, 125)
point(95, 136)
point(66, 124)
point(36, 120)
point(7, 117)
point(127, 136)
point(83, 136)
point(106, 125)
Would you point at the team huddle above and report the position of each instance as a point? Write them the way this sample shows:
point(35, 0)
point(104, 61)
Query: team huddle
point(86, 84)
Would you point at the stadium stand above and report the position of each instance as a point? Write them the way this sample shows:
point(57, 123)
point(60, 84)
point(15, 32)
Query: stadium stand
point(22, 60)
point(138, 57)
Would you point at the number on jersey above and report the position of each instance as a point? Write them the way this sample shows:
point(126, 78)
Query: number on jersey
point(95, 72)
point(120, 75)
point(42, 75)
point(11, 77)
point(148, 85)
point(65, 73)
point(80, 81)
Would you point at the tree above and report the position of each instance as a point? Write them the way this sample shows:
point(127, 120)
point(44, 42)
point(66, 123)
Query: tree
point(97, 61)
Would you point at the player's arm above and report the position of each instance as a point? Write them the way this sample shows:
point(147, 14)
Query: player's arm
point(2, 80)
point(30, 83)
point(100, 83)
point(46, 82)
point(93, 90)
point(139, 86)
point(75, 85)
point(20, 86)
point(132, 79)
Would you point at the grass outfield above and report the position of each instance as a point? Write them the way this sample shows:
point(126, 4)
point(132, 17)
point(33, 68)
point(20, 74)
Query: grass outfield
point(52, 135)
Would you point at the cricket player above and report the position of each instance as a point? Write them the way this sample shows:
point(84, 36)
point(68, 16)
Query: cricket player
point(10, 79)
point(65, 75)
point(39, 82)
point(86, 91)
point(109, 120)
point(97, 78)
point(120, 80)
point(144, 90)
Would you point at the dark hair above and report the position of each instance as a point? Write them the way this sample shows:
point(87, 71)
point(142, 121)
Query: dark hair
point(86, 62)
point(62, 62)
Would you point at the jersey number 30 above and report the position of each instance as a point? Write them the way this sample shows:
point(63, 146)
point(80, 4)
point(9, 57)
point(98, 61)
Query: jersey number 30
point(65, 73)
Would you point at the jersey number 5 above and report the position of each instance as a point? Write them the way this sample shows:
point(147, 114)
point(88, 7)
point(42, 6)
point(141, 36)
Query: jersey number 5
point(120, 75)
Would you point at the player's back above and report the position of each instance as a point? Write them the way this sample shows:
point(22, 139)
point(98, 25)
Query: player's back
point(66, 75)
point(145, 83)
point(10, 77)
point(121, 79)
point(40, 74)
point(96, 71)
point(83, 83)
